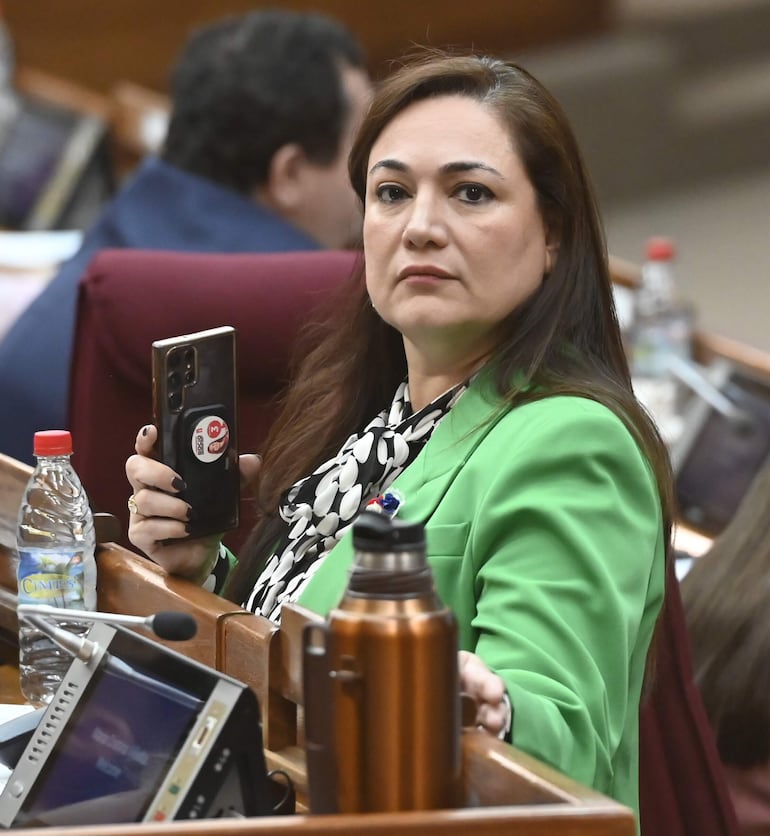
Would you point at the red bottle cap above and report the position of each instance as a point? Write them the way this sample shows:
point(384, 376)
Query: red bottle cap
point(53, 443)
point(660, 249)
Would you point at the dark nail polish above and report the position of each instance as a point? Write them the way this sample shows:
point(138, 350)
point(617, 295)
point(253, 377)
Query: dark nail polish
point(178, 484)
point(145, 430)
point(191, 515)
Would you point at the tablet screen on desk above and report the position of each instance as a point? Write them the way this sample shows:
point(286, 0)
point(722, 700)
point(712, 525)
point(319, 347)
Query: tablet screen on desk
point(119, 742)
point(724, 455)
point(137, 733)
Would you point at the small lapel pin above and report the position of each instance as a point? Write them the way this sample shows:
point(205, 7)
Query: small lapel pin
point(386, 503)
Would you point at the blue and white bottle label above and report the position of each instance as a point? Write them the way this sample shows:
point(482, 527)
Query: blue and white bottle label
point(51, 577)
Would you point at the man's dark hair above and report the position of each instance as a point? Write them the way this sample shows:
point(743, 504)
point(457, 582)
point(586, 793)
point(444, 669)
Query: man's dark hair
point(246, 85)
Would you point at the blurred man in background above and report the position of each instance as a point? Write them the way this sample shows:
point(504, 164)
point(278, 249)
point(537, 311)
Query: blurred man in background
point(264, 107)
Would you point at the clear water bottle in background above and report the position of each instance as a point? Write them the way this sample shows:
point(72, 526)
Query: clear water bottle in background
point(661, 336)
point(9, 105)
point(55, 541)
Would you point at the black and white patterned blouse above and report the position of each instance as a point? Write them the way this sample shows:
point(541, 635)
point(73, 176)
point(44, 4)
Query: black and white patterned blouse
point(320, 508)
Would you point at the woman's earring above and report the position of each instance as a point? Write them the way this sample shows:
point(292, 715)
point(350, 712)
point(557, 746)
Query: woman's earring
point(549, 261)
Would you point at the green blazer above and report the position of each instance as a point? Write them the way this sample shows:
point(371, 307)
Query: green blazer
point(545, 537)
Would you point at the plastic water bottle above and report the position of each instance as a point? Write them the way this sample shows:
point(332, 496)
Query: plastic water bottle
point(55, 540)
point(661, 333)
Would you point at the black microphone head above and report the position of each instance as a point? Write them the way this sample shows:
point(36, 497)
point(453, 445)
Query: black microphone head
point(174, 626)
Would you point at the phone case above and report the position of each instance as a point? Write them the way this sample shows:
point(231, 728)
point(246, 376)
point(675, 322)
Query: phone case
point(195, 407)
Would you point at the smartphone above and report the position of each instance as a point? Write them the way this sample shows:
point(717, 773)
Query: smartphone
point(195, 408)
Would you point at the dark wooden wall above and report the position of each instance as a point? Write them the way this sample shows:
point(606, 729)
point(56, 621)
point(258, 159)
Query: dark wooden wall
point(100, 42)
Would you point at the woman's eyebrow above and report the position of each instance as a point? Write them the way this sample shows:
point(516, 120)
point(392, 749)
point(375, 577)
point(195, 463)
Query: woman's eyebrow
point(448, 168)
point(470, 165)
point(396, 165)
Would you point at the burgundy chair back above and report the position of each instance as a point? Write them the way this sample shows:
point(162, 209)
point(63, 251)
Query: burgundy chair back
point(683, 789)
point(128, 298)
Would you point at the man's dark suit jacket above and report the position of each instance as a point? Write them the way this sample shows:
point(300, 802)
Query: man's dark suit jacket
point(161, 208)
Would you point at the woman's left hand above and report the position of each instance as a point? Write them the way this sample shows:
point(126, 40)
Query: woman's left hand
point(488, 690)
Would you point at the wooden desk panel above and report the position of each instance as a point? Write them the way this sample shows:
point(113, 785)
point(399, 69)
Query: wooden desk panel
point(130, 583)
point(10, 693)
point(13, 480)
point(492, 821)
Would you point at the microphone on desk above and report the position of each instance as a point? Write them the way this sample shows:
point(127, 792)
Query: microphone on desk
point(85, 650)
point(169, 625)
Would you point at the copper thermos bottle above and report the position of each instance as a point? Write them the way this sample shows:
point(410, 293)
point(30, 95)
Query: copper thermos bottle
point(382, 701)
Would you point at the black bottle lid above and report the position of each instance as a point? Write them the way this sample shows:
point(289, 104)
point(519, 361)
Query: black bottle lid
point(374, 532)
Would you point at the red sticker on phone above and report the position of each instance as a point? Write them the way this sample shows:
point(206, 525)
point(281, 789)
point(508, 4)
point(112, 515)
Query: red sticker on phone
point(210, 438)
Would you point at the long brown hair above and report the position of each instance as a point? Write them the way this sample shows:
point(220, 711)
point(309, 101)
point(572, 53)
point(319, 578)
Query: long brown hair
point(565, 338)
point(726, 598)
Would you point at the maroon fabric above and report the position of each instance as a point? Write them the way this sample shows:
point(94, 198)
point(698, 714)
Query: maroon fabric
point(683, 789)
point(750, 792)
point(128, 298)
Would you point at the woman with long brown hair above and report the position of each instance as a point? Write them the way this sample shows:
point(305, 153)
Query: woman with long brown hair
point(484, 302)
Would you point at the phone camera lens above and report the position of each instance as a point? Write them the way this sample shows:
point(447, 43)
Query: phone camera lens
point(189, 376)
point(175, 401)
point(174, 360)
point(174, 379)
point(189, 357)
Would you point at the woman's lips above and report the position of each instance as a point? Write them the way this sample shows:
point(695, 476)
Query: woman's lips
point(424, 272)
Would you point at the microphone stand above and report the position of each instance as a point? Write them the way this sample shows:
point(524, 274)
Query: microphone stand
point(698, 382)
point(173, 626)
point(77, 646)
point(91, 653)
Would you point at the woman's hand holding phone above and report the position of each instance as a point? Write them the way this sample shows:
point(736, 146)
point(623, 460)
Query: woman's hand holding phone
point(159, 525)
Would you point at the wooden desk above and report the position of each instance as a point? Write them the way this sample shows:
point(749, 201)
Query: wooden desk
point(508, 793)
